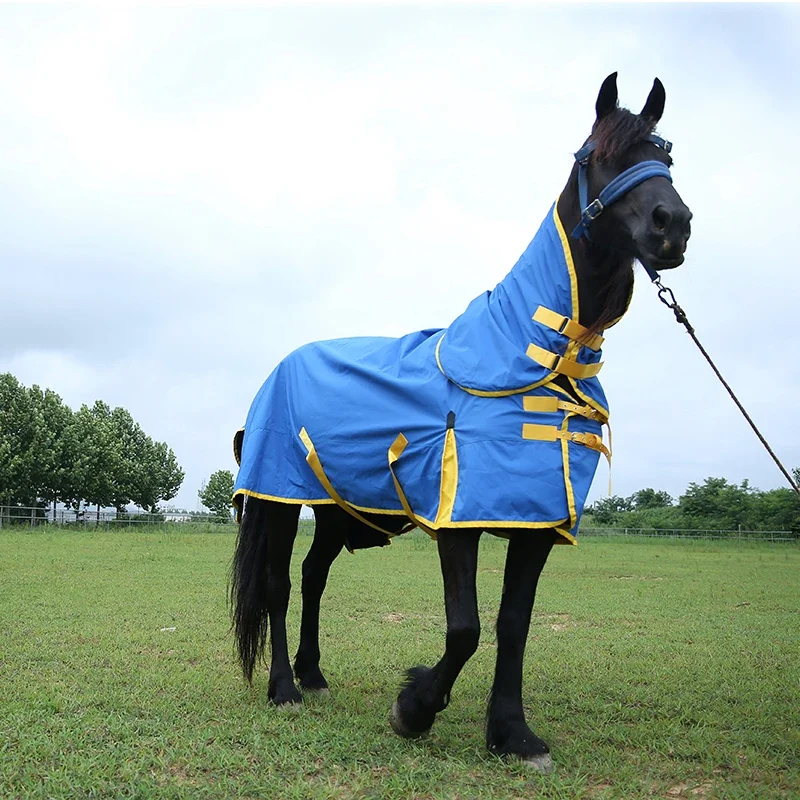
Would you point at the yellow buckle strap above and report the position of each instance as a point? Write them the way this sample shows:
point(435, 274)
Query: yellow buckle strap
point(550, 433)
point(549, 405)
point(571, 329)
point(561, 365)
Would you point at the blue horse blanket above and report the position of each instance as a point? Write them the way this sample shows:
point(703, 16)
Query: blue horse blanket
point(494, 422)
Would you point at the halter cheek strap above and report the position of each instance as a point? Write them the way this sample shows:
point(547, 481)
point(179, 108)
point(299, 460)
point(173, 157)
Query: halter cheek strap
point(616, 188)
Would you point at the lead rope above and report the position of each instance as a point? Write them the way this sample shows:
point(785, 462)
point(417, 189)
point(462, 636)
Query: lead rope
point(666, 296)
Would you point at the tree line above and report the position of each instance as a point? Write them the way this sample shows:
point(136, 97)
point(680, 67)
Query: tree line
point(95, 456)
point(714, 504)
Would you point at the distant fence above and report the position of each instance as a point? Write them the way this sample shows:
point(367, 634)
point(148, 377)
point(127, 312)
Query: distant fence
point(31, 517)
point(34, 516)
point(680, 533)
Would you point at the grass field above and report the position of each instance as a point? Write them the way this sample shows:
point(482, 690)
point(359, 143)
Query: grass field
point(654, 669)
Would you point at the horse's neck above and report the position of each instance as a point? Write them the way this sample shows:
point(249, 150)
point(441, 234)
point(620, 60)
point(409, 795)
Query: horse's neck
point(605, 277)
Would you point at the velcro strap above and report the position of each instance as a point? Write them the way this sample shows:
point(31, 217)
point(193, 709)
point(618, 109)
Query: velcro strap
point(561, 365)
point(571, 329)
point(549, 405)
point(550, 433)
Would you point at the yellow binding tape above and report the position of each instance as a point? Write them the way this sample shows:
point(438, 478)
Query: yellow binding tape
point(550, 433)
point(548, 405)
point(238, 440)
point(561, 365)
point(316, 465)
point(449, 480)
point(571, 329)
point(395, 451)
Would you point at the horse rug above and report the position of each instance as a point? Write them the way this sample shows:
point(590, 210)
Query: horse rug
point(494, 422)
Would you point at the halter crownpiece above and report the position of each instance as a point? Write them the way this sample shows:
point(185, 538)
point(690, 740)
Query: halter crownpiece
point(616, 188)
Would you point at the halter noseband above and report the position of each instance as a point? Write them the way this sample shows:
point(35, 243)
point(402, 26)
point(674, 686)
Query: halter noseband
point(616, 188)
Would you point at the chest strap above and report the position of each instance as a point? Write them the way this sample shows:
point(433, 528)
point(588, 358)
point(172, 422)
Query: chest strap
point(571, 329)
point(550, 433)
point(561, 365)
point(549, 405)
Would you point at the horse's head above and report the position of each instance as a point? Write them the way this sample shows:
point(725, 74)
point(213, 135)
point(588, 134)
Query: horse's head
point(626, 200)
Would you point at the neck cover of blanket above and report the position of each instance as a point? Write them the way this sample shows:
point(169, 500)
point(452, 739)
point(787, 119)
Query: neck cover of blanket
point(494, 422)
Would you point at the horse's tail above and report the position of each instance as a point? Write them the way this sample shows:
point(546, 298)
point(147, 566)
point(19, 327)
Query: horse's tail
point(248, 585)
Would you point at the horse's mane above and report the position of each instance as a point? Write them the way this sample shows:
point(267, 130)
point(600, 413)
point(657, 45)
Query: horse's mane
point(619, 131)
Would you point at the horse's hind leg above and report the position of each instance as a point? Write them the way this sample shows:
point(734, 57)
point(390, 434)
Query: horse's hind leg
point(427, 691)
point(329, 536)
point(282, 524)
point(507, 733)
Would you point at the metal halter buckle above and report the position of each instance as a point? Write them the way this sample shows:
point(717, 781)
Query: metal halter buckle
point(593, 210)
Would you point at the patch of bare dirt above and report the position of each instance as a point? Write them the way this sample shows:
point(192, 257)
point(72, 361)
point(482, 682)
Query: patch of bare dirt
point(685, 790)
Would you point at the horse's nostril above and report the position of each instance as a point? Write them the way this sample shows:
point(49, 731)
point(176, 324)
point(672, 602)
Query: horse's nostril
point(661, 218)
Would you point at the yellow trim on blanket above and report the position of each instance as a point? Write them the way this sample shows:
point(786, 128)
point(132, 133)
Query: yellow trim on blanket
point(573, 275)
point(449, 480)
point(568, 327)
point(395, 451)
point(562, 364)
point(237, 454)
point(316, 465)
point(324, 501)
point(573, 513)
point(568, 537)
point(485, 524)
point(480, 392)
point(587, 399)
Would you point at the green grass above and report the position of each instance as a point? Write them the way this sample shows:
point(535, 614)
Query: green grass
point(654, 669)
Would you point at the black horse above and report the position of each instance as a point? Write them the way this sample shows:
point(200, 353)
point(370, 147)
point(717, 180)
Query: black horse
point(636, 214)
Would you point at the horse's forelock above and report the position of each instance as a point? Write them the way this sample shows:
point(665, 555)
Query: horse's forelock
point(619, 131)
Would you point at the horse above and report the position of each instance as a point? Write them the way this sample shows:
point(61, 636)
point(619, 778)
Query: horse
point(493, 424)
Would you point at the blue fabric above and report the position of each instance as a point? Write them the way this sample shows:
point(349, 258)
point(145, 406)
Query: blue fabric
point(354, 396)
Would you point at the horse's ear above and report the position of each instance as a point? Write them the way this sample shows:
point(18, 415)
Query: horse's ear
point(607, 98)
point(654, 106)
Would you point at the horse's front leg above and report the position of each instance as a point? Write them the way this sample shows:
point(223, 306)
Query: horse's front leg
point(427, 691)
point(507, 733)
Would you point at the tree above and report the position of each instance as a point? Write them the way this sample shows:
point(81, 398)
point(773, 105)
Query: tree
point(14, 430)
point(47, 457)
point(649, 498)
point(217, 493)
point(161, 477)
point(94, 455)
point(605, 511)
point(98, 456)
point(718, 504)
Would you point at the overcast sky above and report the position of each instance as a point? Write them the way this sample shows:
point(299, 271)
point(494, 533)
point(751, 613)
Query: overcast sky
point(186, 195)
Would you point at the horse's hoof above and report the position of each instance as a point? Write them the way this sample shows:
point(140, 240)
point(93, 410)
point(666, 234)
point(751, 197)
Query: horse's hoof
point(396, 721)
point(321, 692)
point(288, 706)
point(542, 764)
